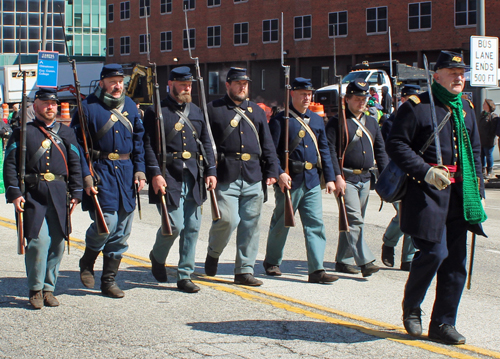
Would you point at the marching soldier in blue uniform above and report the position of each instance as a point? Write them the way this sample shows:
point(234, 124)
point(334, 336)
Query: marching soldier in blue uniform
point(53, 175)
point(118, 161)
point(393, 231)
point(247, 160)
point(365, 145)
point(190, 165)
point(442, 202)
point(309, 154)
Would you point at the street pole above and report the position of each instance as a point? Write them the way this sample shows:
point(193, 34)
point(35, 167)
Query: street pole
point(44, 26)
point(481, 31)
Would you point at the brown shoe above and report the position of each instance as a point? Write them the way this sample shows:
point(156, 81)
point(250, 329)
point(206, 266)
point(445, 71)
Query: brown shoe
point(36, 299)
point(187, 286)
point(320, 276)
point(346, 268)
point(247, 279)
point(368, 269)
point(272, 269)
point(49, 300)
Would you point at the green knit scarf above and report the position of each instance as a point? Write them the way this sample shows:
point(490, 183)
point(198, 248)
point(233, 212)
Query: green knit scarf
point(473, 209)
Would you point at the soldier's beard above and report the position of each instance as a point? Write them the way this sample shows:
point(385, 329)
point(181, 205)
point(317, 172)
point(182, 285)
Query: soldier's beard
point(183, 96)
point(235, 97)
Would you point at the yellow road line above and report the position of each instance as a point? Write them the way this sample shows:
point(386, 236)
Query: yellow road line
point(212, 282)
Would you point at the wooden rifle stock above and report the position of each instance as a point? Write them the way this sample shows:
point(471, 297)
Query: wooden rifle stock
point(100, 222)
point(138, 200)
point(289, 215)
point(471, 261)
point(20, 234)
point(215, 206)
point(166, 228)
point(343, 137)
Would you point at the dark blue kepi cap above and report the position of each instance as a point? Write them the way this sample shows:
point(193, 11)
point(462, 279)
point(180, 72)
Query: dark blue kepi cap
point(301, 83)
point(358, 88)
point(409, 90)
point(237, 73)
point(181, 73)
point(46, 94)
point(449, 60)
point(111, 70)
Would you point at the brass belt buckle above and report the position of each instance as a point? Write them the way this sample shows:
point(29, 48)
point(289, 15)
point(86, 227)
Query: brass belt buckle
point(113, 156)
point(49, 176)
point(357, 172)
point(245, 156)
point(308, 165)
point(186, 155)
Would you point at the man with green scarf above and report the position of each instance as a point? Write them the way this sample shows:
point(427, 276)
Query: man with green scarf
point(117, 156)
point(442, 202)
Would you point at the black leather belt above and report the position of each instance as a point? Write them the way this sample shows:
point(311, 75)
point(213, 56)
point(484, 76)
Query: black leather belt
point(184, 155)
point(49, 177)
point(352, 171)
point(113, 156)
point(240, 156)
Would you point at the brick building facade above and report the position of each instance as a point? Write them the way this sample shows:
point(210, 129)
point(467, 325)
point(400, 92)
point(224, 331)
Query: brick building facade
point(247, 33)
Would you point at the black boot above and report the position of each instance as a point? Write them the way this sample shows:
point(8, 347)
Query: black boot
point(108, 284)
point(87, 267)
point(388, 256)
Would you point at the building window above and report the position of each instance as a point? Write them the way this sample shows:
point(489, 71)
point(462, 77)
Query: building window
point(213, 83)
point(465, 12)
point(144, 7)
point(302, 26)
point(211, 3)
point(125, 10)
point(337, 24)
point(111, 15)
point(213, 36)
point(166, 6)
point(270, 31)
point(188, 4)
point(376, 20)
point(419, 16)
point(239, 1)
point(262, 80)
point(125, 45)
point(166, 41)
point(111, 46)
point(143, 46)
point(325, 75)
point(241, 33)
point(192, 36)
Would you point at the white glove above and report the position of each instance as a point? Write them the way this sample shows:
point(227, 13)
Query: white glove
point(437, 177)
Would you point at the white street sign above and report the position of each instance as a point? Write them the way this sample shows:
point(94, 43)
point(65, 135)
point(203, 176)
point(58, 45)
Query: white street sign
point(484, 61)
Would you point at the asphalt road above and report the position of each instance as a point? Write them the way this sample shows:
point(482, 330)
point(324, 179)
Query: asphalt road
point(287, 317)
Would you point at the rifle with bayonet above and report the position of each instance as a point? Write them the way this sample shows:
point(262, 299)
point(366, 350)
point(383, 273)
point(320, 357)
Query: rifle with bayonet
point(102, 227)
point(203, 104)
point(289, 217)
point(161, 144)
point(22, 163)
point(343, 137)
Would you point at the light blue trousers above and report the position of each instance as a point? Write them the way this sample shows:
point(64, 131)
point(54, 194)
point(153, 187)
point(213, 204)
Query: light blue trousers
point(309, 204)
point(114, 244)
point(352, 247)
point(392, 235)
point(44, 254)
point(240, 205)
point(185, 221)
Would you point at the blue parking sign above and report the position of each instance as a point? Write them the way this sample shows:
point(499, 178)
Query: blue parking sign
point(48, 62)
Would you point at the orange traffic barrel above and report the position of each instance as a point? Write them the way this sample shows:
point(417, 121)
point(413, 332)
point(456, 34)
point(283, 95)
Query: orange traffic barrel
point(5, 108)
point(266, 109)
point(65, 111)
point(317, 108)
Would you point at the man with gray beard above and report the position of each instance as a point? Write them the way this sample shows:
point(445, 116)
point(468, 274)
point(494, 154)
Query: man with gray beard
point(247, 158)
point(190, 166)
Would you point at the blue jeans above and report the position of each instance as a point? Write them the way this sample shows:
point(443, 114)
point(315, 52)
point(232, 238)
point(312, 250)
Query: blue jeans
point(487, 157)
point(352, 247)
point(392, 235)
point(114, 244)
point(185, 221)
point(240, 205)
point(44, 253)
point(309, 204)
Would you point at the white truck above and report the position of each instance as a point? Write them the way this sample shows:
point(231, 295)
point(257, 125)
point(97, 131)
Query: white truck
point(11, 81)
point(376, 75)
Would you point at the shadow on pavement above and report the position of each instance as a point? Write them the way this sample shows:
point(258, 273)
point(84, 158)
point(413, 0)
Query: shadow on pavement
point(286, 330)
